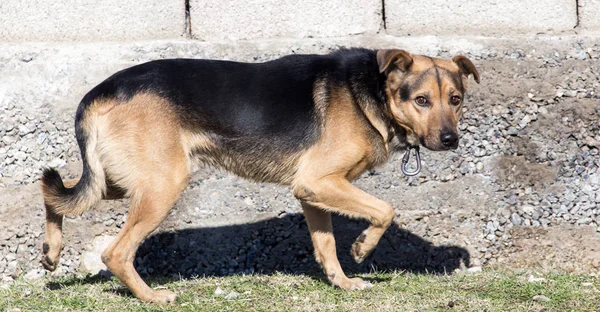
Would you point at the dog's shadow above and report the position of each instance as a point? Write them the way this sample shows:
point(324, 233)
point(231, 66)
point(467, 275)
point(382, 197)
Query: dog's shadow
point(278, 245)
point(283, 245)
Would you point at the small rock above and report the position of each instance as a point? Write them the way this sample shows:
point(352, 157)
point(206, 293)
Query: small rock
point(541, 298)
point(525, 121)
point(533, 279)
point(232, 295)
point(42, 138)
point(249, 201)
point(7, 140)
point(7, 280)
point(90, 260)
point(476, 269)
point(479, 166)
point(34, 274)
point(57, 163)
point(591, 142)
point(516, 219)
point(219, 291)
point(24, 130)
point(528, 209)
point(20, 156)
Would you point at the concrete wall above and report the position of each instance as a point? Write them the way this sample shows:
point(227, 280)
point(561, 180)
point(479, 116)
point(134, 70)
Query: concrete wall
point(589, 14)
point(90, 20)
point(482, 17)
point(233, 19)
point(214, 20)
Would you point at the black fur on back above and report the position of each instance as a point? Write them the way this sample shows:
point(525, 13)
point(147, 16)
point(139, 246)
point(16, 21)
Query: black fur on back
point(251, 110)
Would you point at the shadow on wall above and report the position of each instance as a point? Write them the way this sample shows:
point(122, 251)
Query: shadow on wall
point(283, 245)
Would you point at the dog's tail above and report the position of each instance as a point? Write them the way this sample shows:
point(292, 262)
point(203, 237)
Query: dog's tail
point(90, 188)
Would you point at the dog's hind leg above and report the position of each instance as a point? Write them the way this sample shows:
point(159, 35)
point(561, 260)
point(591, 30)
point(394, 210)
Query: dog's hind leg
point(148, 210)
point(158, 182)
point(52, 246)
point(53, 242)
point(143, 153)
point(321, 233)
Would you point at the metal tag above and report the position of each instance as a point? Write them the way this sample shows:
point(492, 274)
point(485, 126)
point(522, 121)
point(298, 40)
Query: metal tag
point(406, 159)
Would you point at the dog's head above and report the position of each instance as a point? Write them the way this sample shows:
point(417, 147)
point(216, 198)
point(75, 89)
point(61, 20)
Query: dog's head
point(426, 95)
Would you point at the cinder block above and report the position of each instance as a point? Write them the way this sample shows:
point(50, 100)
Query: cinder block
point(589, 14)
point(89, 20)
point(478, 17)
point(237, 20)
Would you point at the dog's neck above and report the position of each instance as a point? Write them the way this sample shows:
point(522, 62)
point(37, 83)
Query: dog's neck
point(398, 139)
point(375, 107)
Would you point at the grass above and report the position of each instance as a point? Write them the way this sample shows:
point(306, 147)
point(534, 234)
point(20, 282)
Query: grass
point(487, 291)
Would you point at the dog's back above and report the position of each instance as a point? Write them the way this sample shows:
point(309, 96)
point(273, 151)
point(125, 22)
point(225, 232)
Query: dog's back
point(236, 99)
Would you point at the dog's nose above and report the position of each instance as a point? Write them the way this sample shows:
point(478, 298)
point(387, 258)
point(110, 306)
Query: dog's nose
point(449, 139)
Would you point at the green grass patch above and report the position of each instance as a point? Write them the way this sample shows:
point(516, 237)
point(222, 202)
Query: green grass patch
point(487, 291)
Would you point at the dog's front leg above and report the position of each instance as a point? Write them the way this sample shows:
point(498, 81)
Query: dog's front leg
point(335, 193)
point(321, 233)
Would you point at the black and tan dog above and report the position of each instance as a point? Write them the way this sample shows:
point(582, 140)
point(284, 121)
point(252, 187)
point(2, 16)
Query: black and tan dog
point(313, 122)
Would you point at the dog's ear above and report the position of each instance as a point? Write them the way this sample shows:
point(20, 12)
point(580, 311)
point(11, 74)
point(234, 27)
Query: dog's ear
point(466, 67)
point(390, 59)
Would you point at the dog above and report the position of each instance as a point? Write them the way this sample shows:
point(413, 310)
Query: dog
point(312, 122)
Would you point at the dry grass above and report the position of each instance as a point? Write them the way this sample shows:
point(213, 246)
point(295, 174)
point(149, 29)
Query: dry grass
point(487, 291)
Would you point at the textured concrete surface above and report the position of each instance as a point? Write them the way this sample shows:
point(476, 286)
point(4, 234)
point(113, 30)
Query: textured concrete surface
point(213, 20)
point(589, 14)
point(77, 20)
point(231, 19)
point(485, 17)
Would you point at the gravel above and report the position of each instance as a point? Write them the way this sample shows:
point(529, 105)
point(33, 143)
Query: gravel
point(528, 158)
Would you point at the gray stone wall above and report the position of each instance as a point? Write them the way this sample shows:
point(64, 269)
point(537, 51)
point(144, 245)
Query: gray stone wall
point(216, 20)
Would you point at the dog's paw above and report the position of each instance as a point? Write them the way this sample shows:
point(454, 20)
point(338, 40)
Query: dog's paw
point(49, 262)
point(161, 296)
point(355, 283)
point(359, 249)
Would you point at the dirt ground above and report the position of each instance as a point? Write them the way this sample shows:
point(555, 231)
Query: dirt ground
point(521, 191)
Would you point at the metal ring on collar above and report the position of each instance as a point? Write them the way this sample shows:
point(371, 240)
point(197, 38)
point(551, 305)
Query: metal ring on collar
point(406, 159)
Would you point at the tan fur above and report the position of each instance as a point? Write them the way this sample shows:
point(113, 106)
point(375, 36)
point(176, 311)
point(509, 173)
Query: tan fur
point(140, 137)
point(323, 182)
point(321, 99)
point(426, 123)
point(142, 150)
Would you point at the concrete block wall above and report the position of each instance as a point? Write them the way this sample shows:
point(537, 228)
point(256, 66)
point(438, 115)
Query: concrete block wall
point(482, 17)
point(589, 14)
point(215, 20)
point(90, 20)
point(233, 19)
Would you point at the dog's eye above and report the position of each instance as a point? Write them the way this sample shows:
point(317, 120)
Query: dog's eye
point(421, 101)
point(455, 100)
